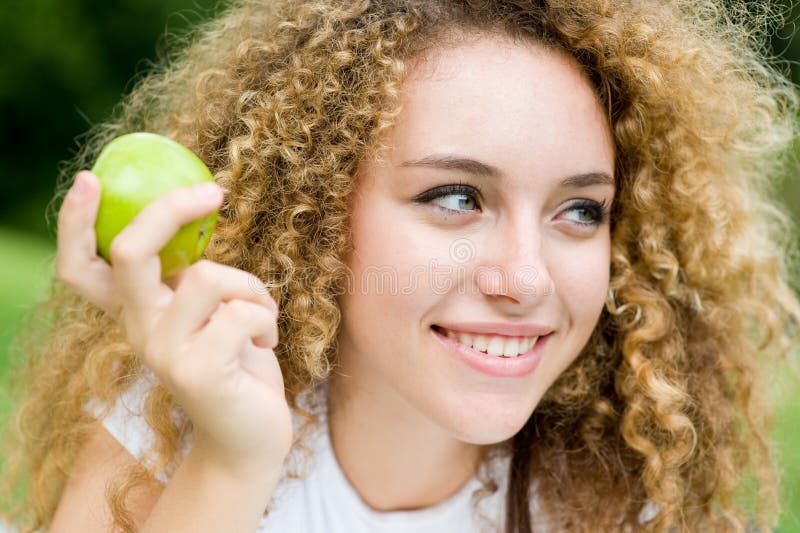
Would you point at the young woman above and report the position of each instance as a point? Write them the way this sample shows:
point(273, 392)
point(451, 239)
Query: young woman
point(506, 266)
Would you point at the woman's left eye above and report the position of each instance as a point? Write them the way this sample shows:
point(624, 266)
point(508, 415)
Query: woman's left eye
point(462, 198)
point(598, 212)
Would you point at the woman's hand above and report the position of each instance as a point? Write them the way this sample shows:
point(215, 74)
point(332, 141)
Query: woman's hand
point(206, 333)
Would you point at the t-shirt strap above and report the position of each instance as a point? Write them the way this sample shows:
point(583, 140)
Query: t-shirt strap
point(125, 421)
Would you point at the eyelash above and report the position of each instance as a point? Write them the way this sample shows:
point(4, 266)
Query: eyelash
point(600, 211)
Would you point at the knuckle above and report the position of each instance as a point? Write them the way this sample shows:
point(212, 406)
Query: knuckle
point(202, 273)
point(240, 311)
point(121, 252)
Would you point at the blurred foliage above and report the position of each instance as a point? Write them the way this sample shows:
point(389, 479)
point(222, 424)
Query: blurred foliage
point(66, 63)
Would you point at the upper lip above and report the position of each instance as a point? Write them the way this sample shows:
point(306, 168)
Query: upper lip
point(498, 328)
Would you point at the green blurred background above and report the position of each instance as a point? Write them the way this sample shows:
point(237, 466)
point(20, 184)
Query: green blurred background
point(66, 63)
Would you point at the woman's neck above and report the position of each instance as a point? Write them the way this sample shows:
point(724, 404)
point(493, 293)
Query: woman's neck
point(393, 456)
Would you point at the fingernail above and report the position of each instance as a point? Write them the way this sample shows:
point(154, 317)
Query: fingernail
point(207, 191)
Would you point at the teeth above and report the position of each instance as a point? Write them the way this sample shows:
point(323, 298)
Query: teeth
point(511, 348)
point(524, 345)
point(480, 343)
point(494, 345)
point(465, 338)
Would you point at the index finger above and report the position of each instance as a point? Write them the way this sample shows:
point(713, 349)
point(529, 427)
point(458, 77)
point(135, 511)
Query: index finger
point(134, 251)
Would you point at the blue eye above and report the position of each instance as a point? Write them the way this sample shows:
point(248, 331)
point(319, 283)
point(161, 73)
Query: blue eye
point(465, 199)
point(461, 203)
point(465, 195)
point(597, 212)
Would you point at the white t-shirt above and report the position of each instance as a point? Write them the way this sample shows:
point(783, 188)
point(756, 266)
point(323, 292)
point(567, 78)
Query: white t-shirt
point(314, 496)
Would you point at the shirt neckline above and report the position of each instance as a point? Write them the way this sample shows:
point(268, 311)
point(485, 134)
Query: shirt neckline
point(455, 504)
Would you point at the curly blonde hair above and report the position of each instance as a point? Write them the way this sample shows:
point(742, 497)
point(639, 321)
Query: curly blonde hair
point(282, 99)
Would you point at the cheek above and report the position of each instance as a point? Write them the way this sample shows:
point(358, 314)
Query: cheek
point(581, 280)
point(389, 283)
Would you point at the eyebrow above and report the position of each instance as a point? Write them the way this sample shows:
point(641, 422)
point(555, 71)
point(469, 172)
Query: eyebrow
point(477, 168)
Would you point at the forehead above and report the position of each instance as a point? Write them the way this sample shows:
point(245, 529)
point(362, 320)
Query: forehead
point(527, 109)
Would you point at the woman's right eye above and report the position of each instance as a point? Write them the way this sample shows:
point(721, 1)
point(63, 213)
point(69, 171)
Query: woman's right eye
point(462, 197)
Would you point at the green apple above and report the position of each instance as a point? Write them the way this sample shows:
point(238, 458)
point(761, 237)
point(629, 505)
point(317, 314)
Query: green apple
point(134, 170)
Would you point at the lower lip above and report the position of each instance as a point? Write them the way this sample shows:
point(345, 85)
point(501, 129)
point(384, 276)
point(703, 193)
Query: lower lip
point(493, 365)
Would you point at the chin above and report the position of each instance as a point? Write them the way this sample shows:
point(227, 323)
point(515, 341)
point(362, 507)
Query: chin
point(477, 426)
point(484, 436)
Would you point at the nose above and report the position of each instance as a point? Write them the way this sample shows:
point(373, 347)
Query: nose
point(513, 269)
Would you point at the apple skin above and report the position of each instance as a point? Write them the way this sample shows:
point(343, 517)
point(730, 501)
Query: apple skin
point(135, 169)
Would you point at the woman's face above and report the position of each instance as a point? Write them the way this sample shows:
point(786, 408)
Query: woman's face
point(512, 122)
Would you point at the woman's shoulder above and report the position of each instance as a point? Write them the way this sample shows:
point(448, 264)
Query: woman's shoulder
point(125, 420)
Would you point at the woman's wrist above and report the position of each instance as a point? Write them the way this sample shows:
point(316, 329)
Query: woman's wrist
point(207, 494)
point(248, 470)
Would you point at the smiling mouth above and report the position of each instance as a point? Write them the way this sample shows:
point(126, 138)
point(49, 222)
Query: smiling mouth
point(491, 345)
